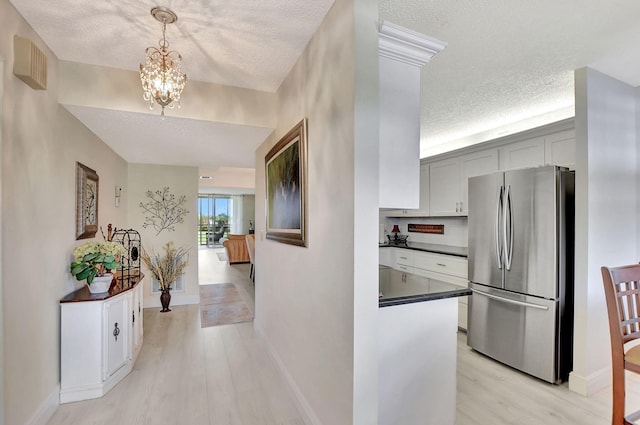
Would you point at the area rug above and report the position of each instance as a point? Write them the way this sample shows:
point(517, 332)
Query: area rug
point(222, 256)
point(220, 304)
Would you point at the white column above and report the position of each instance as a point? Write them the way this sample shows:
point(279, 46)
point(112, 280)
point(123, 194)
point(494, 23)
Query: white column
point(402, 53)
point(606, 214)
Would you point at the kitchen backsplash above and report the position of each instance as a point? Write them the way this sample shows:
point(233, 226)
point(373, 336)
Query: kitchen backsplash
point(455, 229)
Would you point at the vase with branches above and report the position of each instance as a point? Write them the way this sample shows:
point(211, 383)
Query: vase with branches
point(166, 268)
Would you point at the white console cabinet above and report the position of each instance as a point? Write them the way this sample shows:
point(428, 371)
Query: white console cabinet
point(100, 338)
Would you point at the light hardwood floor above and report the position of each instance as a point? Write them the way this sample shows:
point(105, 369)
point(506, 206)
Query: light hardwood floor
point(187, 375)
point(223, 375)
point(491, 393)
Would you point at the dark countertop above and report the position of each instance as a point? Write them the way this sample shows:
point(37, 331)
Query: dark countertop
point(458, 251)
point(398, 288)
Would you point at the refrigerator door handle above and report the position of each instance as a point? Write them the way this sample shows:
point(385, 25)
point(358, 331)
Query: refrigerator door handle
point(508, 216)
point(509, 301)
point(498, 211)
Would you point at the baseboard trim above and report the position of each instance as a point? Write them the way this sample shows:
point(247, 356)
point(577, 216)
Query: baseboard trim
point(91, 391)
point(591, 384)
point(45, 411)
point(308, 415)
point(176, 299)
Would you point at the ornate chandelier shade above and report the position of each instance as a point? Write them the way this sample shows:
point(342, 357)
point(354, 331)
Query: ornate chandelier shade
point(161, 77)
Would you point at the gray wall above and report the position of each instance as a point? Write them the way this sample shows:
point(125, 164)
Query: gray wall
point(41, 143)
point(606, 213)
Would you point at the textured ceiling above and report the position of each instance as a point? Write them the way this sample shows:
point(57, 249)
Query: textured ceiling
point(242, 43)
point(509, 61)
point(508, 65)
point(147, 139)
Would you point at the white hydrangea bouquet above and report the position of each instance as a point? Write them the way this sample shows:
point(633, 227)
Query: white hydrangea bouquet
point(94, 258)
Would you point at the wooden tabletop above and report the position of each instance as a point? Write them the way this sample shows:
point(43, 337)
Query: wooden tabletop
point(119, 285)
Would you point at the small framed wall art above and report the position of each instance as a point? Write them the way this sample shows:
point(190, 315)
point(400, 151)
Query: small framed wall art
point(86, 202)
point(286, 191)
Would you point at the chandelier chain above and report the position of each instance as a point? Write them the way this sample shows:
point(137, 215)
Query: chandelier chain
point(164, 44)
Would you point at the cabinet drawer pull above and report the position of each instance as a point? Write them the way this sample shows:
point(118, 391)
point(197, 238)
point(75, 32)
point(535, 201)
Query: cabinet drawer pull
point(441, 265)
point(404, 258)
point(116, 331)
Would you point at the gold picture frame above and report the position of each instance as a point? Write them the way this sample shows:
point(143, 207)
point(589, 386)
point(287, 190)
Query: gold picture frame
point(86, 202)
point(286, 191)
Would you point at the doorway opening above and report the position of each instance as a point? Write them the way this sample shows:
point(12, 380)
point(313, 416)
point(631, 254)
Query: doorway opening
point(215, 216)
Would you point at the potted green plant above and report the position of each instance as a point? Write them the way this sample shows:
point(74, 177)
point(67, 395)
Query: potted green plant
point(166, 269)
point(94, 261)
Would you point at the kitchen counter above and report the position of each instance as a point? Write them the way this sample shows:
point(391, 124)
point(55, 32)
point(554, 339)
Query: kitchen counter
point(417, 349)
point(398, 288)
point(458, 251)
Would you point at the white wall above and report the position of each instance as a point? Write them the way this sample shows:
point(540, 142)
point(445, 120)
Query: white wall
point(317, 306)
point(119, 89)
point(41, 143)
point(2, 63)
point(606, 214)
point(637, 93)
point(456, 229)
point(181, 181)
point(365, 215)
point(248, 212)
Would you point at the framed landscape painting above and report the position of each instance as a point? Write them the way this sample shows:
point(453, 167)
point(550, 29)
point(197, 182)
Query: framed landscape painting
point(286, 180)
point(86, 202)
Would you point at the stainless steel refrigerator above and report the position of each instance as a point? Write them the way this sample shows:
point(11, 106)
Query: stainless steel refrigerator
point(521, 232)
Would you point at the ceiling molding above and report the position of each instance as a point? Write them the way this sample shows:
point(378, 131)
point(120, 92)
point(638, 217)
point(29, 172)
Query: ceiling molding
point(406, 46)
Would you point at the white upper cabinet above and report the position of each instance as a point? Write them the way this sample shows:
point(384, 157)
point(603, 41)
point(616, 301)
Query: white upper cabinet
point(552, 149)
point(424, 190)
point(423, 211)
point(475, 164)
point(444, 187)
point(402, 53)
point(448, 180)
point(560, 149)
point(525, 154)
point(444, 179)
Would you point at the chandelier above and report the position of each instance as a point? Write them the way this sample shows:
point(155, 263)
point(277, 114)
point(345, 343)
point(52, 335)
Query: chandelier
point(161, 77)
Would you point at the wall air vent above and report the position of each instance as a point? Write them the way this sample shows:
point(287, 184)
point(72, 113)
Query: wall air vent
point(29, 63)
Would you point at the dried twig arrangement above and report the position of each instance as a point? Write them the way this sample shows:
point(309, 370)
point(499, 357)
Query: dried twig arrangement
point(163, 211)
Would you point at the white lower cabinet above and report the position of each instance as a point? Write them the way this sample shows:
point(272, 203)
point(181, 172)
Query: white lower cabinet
point(136, 317)
point(115, 331)
point(386, 256)
point(404, 260)
point(447, 268)
point(99, 341)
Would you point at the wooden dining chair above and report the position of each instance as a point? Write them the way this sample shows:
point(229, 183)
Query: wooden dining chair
point(622, 294)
